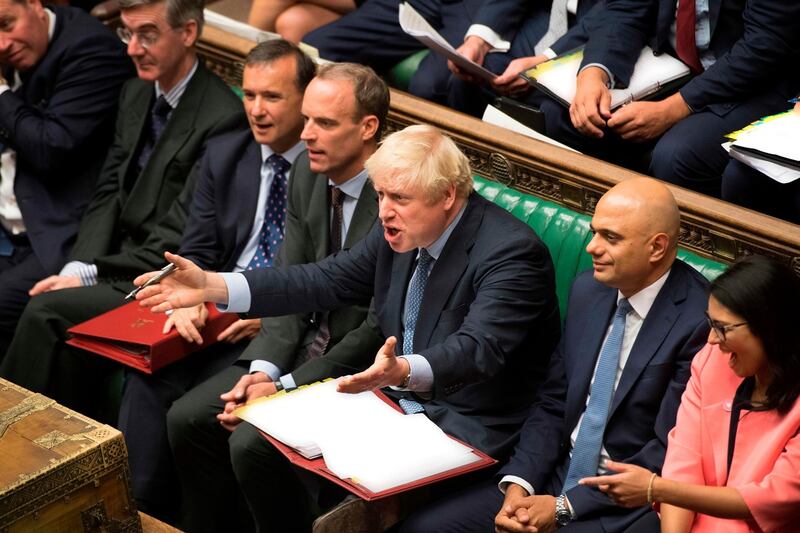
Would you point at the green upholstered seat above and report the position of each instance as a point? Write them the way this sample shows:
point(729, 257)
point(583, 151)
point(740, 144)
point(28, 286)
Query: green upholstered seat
point(566, 234)
point(400, 75)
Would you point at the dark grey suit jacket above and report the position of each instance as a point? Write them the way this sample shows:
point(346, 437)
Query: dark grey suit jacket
point(488, 322)
point(283, 341)
point(118, 222)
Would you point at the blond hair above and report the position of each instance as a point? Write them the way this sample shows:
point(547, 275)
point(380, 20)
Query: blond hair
point(421, 157)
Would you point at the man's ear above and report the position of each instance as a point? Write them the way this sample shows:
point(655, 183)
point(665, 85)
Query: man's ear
point(659, 245)
point(190, 33)
point(369, 127)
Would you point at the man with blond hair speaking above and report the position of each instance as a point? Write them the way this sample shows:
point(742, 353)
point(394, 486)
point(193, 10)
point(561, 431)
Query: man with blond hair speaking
point(464, 294)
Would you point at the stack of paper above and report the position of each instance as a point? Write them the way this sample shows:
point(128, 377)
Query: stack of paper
point(492, 115)
point(416, 26)
point(652, 75)
point(360, 436)
point(770, 145)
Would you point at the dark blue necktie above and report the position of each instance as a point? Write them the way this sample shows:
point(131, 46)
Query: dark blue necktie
point(416, 290)
point(271, 236)
point(158, 123)
point(586, 454)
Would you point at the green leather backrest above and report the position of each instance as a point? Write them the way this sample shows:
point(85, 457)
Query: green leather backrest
point(400, 75)
point(566, 234)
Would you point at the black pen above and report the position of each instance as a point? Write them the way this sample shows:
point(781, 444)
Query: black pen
point(166, 271)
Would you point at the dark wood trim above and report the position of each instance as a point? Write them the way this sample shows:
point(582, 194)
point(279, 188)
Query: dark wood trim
point(710, 227)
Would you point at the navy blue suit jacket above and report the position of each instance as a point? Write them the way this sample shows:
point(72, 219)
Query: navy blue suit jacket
point(487, 326)
point(755, 42)
point(646, 400)
point(60, 122)
point(224, 201)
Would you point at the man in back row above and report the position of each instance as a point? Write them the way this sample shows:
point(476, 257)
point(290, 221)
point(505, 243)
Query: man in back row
point(474, 317)
point(159, 136)
point(615, 382)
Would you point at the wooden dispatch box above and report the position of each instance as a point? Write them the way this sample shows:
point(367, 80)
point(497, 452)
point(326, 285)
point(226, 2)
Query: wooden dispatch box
point(59, 470)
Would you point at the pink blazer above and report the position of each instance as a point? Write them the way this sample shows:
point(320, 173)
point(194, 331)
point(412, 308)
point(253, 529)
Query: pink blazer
point(766, 459)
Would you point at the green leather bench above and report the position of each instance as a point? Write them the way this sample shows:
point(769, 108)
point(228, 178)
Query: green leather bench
point(400, 74)
point(566, 234)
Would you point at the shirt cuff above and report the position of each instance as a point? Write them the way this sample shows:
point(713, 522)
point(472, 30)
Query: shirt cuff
point(569, 507)
point(421, 374)
point(84, 271)
point(490, 36)
point(259, 365)
point(507, 480)
point(288, 382)
point(238, 293)
point(610, 83)
point(549, 54)
point(4, 87)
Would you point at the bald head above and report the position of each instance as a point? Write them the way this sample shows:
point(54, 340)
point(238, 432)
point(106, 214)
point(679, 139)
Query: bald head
point(650, 206)
point(636, 226)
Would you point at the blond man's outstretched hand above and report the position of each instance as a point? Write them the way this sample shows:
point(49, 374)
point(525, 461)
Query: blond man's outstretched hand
point(188, 286)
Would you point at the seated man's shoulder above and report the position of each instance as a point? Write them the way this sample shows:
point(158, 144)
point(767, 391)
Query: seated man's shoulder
point(228, 146)
point(83, 31)
point(695, 283)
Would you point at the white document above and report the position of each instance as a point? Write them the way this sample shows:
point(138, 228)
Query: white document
point(492, 115)
point(416, 26)
point(558, 76)
point(359, 435)
point(776, 135)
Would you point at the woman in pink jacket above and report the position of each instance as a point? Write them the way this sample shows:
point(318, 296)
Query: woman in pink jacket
point(733, 458)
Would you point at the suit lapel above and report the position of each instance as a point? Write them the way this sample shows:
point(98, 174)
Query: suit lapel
point(138, 110)
point(447, 271)
point(580, 365)
point(246, 183)
point(179, 129)
point(660, 320)
point(364, 216)
point(319, 221)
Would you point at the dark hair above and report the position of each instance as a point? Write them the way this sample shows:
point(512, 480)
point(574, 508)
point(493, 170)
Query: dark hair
point(266, 52)
point(371, 92)
point(178, 12)
point(765, 294)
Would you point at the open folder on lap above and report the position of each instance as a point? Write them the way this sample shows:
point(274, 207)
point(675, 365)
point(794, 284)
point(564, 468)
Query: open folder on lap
point(362, 442)
point(653, 76)
point(770, 145)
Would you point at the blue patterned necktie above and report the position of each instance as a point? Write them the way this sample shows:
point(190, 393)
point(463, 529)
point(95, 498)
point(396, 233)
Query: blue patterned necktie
point(416, 290)
point(586, 454)
point(271, 236)
point(158, 123)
